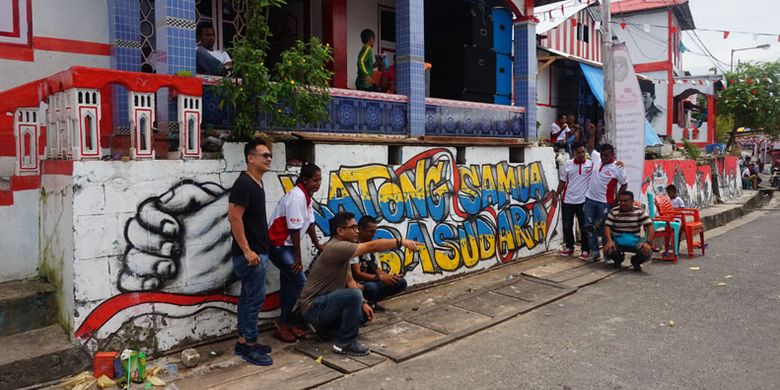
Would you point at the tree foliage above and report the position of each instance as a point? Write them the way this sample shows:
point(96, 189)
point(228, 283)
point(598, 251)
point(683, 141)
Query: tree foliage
point(294, 92)
point(752, 97)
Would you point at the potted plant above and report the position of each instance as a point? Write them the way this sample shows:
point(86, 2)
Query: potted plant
point(292, 93)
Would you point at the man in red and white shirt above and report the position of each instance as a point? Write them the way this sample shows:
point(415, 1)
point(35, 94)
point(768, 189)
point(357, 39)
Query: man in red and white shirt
point(606, 182)
point(292, 217)
point(574, 181)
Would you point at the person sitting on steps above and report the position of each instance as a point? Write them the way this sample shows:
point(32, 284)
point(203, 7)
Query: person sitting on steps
point(331, 300)
point(622, 228)
point(377, 284)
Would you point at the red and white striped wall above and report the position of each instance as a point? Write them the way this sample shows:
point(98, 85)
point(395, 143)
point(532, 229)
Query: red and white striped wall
point(564, 38)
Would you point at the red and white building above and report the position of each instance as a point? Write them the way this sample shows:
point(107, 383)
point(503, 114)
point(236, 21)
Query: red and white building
point(569, 33)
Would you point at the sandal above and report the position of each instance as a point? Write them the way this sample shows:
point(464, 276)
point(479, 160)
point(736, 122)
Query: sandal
point(297, 332)
point(284, 335)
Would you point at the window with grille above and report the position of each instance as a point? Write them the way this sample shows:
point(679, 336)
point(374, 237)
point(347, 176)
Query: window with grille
point(227, 17)
point(147, 36)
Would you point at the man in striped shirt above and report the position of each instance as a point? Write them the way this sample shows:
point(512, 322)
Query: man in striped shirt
point(622, 230)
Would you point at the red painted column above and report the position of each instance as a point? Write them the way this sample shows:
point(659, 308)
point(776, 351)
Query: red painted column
point(334, 31)
point(670, 73)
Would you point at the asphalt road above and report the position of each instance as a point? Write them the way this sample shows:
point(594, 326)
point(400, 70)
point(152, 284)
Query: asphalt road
point(669, 327)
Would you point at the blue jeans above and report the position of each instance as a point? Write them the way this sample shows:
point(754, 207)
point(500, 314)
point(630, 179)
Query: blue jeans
point(205, 63)
point(339, 312)
point(376, 291)
point(252, 294)
point(290, 283)
point(595, 215)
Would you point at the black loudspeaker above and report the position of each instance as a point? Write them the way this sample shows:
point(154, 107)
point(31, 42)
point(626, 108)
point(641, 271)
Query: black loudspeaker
point(477, 26)
point(479, 71)
point(459, 40)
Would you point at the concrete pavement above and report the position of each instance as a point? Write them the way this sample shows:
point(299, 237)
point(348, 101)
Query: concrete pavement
point(602, 336)
point(670, 327)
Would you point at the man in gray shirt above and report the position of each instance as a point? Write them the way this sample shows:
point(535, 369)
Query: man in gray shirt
point(331, 300)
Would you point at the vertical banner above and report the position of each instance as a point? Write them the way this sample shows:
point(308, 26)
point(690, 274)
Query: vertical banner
point(630, 119)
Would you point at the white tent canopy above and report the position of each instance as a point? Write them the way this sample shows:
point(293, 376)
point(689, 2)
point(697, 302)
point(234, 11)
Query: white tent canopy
point(550, 15)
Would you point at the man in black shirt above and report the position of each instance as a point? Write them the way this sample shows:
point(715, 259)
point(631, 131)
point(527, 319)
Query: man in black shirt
point(377, 284)
point(248, 223)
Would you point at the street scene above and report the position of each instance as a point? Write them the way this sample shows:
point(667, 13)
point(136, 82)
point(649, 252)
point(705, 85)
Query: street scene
point(389, 194)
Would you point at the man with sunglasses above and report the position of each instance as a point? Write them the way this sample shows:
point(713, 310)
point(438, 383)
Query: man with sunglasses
point(249, 225)
point(331, 300)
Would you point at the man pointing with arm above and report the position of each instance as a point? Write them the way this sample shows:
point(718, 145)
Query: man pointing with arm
point(331, 300)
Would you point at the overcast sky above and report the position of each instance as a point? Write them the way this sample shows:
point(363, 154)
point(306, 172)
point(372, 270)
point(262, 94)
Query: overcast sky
point(742, 15)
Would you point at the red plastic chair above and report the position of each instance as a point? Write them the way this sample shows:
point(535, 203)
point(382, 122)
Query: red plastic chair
point(689, 218)
point(663, 229)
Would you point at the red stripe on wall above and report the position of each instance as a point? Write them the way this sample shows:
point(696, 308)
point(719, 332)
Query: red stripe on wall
point(16, 52)
point(22, 183)
point(71, 46)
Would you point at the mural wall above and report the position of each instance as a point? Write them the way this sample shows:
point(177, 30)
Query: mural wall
point(693, 182)
point(729, 178)
point(152, 241)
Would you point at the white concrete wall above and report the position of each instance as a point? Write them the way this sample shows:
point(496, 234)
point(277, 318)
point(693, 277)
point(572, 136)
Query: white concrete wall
point(19, 254)
point(361, 14)
point(128, 215)
point(547, 97)
point(7, 167)
point(56, 19)
point(56, 241)
point(644, 47)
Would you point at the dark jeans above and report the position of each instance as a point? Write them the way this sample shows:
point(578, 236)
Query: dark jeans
point(595, 215)
point(205, 63)
point(252, 294)
point(619, 253)
point(290, 283)
point(338, 313)
point(376, 291)
point(568, 212)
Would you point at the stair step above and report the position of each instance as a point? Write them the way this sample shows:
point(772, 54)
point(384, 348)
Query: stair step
point(26, 305)
point(38, 356)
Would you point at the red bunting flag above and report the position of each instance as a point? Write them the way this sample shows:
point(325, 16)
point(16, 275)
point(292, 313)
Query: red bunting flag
point(726, 34)
point(623, 25)
point(574, 22)
point(673, 29)
point(562, 13)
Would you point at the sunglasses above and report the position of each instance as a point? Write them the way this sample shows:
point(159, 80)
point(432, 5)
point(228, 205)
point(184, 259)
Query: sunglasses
point(353, 227)
point(263, 155)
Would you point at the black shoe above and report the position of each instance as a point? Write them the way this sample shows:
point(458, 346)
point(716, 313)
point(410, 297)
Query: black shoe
point(252, 355)
point(262, 348)
point(617, 264)
point(637, 263)
point(353, 348)
point(378, 308)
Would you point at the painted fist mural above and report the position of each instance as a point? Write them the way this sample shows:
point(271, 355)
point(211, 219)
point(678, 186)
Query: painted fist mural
point(179, 241)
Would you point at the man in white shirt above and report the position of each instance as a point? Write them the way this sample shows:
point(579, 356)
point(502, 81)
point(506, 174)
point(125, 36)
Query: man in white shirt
point(207, 60)
point(558, 130)
point(602, 193)
point(747, 175)
point(574, 181)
